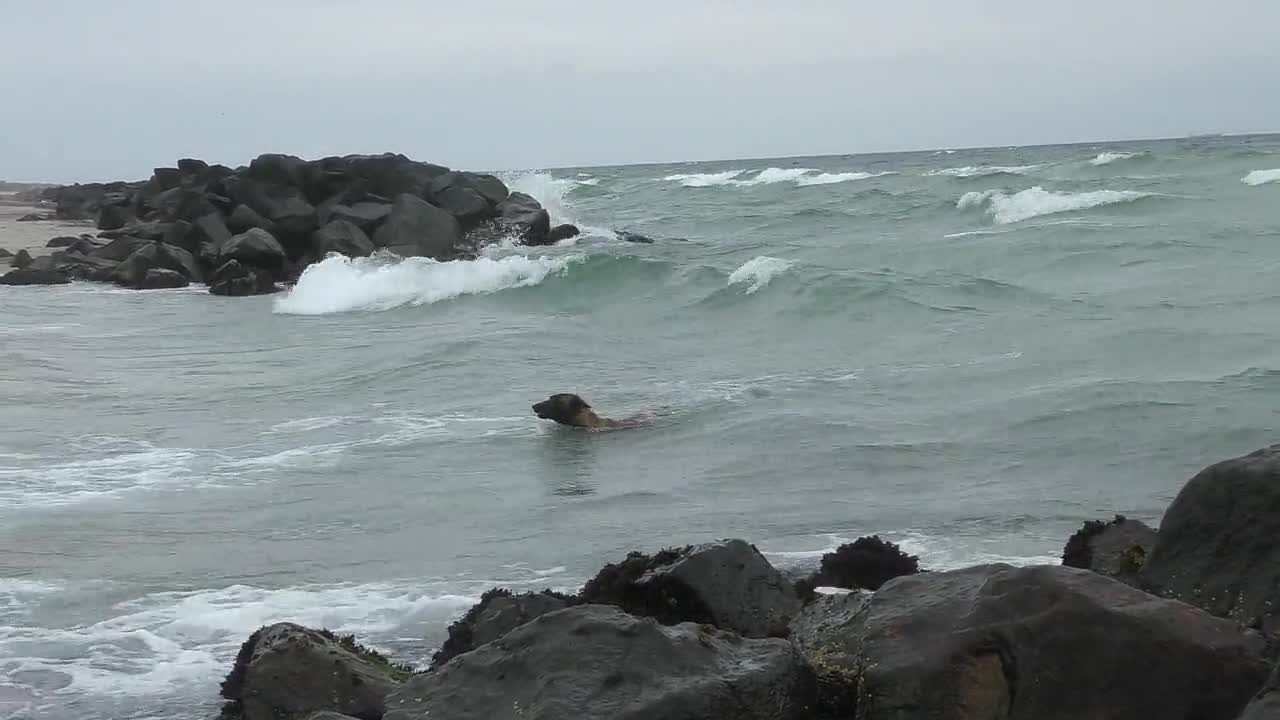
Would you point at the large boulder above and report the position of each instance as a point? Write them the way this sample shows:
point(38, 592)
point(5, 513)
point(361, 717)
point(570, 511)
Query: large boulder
point(120, 249)
point(244, 218)
point(181, 203)
point(599, 663)
point(416, 228)
point(562, 232)
point(1116, 549)
point(523, 217)
point(237, 280)
point(155, 256)
point(728, 584)
point(77, 265)
point(169, 231)
point(342, 237)
point(114, 217)
point(463, 203)
point(34, 276)
point(289, 672)
point(4, 253)
point(208, 231)
point(365, 215)
point(1266, 704)
point(1217, 545)
point(159, 278)
point(257, 248)
point(1034, 643)
point(387, 175)
point(22, 260)
point(498, 613)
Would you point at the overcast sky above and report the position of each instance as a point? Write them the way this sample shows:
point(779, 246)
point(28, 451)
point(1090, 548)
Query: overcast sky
point(107, 90)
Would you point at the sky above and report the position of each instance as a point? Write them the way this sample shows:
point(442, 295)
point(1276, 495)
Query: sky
point(101, 91)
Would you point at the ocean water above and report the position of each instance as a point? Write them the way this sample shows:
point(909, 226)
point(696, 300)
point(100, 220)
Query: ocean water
point(968, 352)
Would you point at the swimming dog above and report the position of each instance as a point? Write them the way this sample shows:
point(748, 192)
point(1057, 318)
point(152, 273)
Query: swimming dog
point(572, 410)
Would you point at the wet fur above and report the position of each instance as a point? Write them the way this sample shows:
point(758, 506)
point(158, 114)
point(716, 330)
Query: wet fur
point(571, 410)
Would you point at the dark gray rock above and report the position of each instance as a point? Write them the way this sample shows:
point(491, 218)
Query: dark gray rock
point(155, 256)
point(4, 253)
point(1036, 643)
point(365, 215)
point(1266, 704)
point(598, 662)
point(728, 584)
point(464, 203)
point(493, 189)
point(562, 232)
point(498, 613)
point(244, 218)
point(63, 241)
point(524, 218)
point(114, 217)
point(234, 279)
point(120, 249)
point(210, 231)
point(181, 203)
point(487, 189)
point(34, 276)
point(289, 672)
point(257, 248)
point(633, 237)
point(416, 228)
point(158, 278)
point(278, 169)
point(388, 175)
point(164, 230)
point(1217, 546)
point(1117, 549)
point(22, 260)
point(342, 237)
point(821, 632)
point(35, 217)
point(77, 265)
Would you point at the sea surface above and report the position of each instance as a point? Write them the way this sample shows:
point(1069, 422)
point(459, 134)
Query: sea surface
point(967, 352)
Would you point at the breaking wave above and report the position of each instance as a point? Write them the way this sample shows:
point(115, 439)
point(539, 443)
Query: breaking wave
point(1107, 158)
point(975, 171)
point(802, 177)
point(758, 271)
point(1261, 177)
point(340, 284)
point(1037, 201)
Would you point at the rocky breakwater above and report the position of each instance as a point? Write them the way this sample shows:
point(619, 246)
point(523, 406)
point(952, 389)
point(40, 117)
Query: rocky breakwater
point(243, 230)
point(1137, 623)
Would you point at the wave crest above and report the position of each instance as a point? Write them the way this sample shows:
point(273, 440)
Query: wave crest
point(341, 284)
point(802, 177)
point(1261, 177)
point(1107, 158)
point(758, 271)
point(976, 171)
point(1037, 201)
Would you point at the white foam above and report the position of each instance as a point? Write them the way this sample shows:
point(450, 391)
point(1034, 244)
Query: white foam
point(803, 177)
point(1107, 158)
point(833, 178)
point(340, 284)
point(1261, 177)
point(180, 644)
point(758, 271)
point(1036, 201)
point(117, 466)
point(704, 179)
point(972, 171)
point(552, 193)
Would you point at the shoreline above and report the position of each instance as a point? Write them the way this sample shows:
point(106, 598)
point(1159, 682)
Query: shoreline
point(868, 633)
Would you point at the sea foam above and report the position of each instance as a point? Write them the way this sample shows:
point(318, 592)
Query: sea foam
point(1261, 177)
point(1107, 158)
point(974, 171)
point(758, 271)
point(340, 284)
point(802, 177)
point(1037, 201)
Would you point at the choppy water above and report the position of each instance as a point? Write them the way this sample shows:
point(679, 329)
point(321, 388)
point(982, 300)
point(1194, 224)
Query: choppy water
point(968, 352)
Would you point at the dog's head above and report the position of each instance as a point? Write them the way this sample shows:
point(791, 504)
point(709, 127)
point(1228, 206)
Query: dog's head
point(564, 408)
